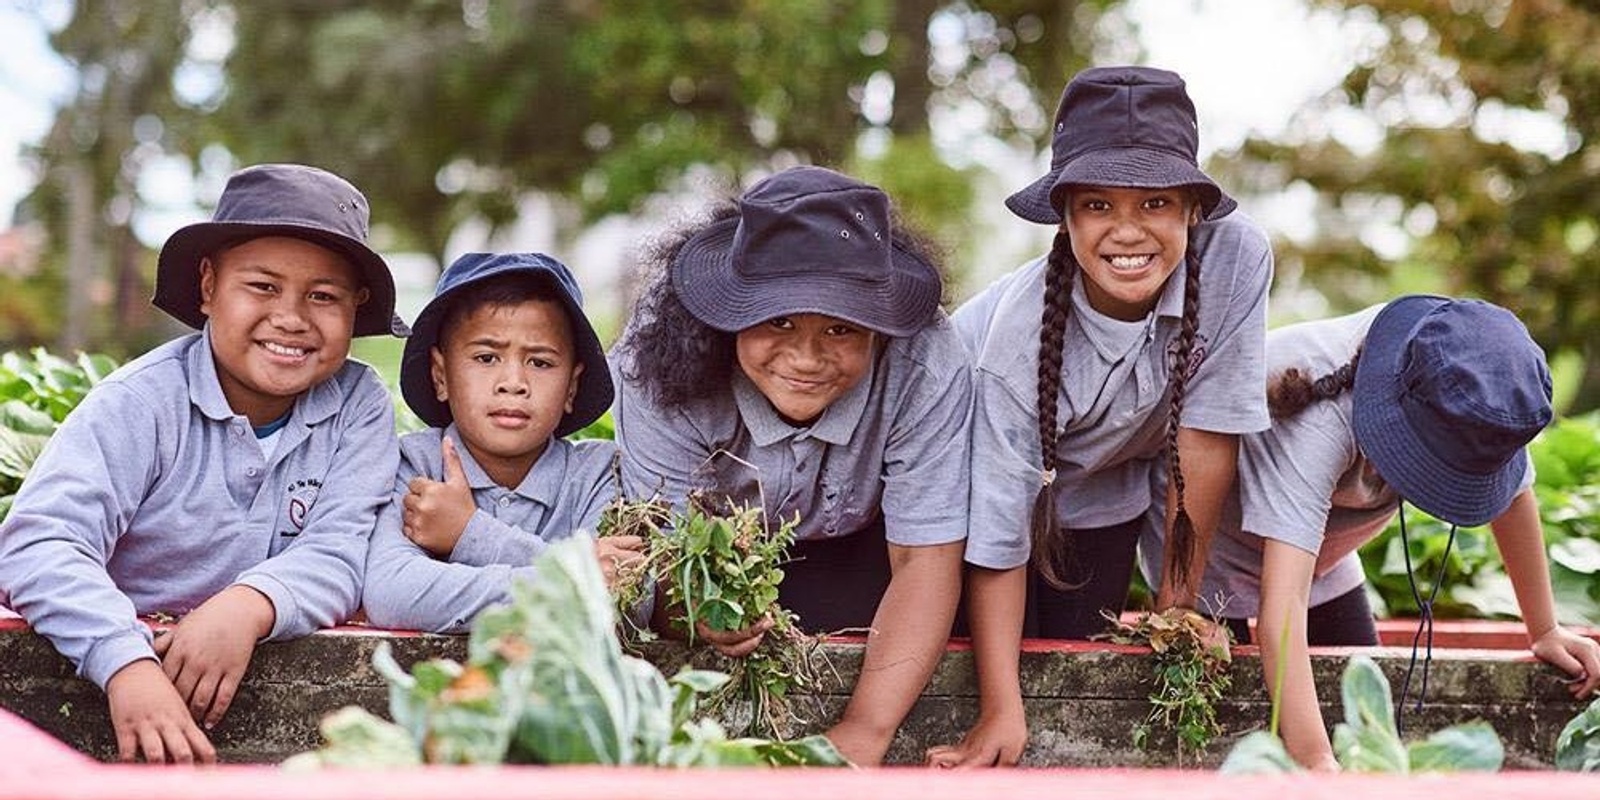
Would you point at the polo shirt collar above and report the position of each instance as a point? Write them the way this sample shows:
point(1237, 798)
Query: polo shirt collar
point(836, 425)
point(543, 482)
point(1169, 305)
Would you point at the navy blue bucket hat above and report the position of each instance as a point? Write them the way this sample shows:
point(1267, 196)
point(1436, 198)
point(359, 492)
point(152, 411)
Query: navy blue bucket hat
point(1447, 395)
point(1132, 127)
point(279, 200)
point(806, 240)
point(416, 369)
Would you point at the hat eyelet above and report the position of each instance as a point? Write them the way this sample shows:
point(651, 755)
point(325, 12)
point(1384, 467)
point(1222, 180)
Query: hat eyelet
point(844, 234)
point(860, 217)
point(343, 208)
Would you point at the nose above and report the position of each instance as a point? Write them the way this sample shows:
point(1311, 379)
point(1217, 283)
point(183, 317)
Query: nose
point(1125, 228)
point(289, 314)
point(806, 353)
point(510, 380)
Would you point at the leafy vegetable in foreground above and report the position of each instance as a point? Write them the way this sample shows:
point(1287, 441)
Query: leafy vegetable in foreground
point(546, 682)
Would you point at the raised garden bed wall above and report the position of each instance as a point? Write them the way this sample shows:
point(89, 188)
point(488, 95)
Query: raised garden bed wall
point(1082, 699)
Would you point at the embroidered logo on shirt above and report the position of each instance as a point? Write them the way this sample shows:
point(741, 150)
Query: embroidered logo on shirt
point(1197, 355)
point(302, 496)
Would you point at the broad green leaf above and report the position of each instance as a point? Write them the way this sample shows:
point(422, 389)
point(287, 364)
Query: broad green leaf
point(355, 738)
point(1367, 749)
point(1578, 746)
point(1578, 555)
point(18, 452)
point(23, 418)
point(1258, 753)
point(1366, 695)
point(1470, 747)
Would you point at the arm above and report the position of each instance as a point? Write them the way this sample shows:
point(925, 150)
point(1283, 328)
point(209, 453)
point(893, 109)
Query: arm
point(1286, 573)
point(996, 602)
point(1520, 538)
point(1209, 462)
point(908, 637)
point(316, 581)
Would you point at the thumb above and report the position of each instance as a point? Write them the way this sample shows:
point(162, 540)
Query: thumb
point(454, 473)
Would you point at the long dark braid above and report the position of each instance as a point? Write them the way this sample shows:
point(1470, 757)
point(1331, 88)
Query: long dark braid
point(1291, 392)
point(1181, 542)
point(1052, 544)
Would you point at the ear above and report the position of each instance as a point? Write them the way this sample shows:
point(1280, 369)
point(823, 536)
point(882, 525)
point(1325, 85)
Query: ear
point(441, 386)
point(572, 386)
point(362, 296)
point(208, 284)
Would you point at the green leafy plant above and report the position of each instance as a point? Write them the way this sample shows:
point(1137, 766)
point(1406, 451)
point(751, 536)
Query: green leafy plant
point(1368, 741)
point(1191, 676)
point(546, 682)
point(37, 391)
point(723, 568)
point(1578, 746)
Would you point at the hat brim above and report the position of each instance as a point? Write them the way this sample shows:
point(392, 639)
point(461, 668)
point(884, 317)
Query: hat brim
point(1129, 167)
point(1387, 439)
point(595, 391)
point(716, 294)
point(178, 271)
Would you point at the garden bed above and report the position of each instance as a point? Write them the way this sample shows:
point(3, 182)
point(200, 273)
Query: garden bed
point(1082, 698)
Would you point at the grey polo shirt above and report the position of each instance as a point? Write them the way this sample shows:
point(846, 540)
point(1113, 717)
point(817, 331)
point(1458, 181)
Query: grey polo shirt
point(155, 496)
point(895, 444)
point(561, 496)
point(1114, 398)
point(1304, 481)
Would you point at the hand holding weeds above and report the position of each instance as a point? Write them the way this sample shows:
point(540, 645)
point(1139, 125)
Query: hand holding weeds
point(735, 644)
point(617, 556)
point(206, 654)
point(150, 719)
point(436, 512)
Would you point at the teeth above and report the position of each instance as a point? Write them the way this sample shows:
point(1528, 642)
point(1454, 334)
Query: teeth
point(1129, 262)
point(281, 350)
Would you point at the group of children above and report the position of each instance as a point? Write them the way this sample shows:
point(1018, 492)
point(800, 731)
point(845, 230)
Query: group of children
point(1118, 396)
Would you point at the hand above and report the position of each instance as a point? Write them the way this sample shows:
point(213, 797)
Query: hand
point(996, 741)
point(735, 644)
point(616, 554)
point(206, 654)
point(150, 718)
point(1575, 655)
point(436, 513)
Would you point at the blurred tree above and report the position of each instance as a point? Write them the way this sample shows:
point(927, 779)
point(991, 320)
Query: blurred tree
point(1515, 225)
point(122, 114)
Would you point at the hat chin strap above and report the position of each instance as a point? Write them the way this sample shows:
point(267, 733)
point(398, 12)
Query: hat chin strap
point(1424, 621)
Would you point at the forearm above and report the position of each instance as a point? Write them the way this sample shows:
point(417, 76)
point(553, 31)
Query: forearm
point(996, 604)
point(1520, 539)
point(1286, 574)
point(1209, 463)
point(909, 633)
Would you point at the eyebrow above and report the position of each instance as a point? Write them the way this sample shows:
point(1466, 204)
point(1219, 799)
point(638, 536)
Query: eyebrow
point(321, 280)
point(496, 342)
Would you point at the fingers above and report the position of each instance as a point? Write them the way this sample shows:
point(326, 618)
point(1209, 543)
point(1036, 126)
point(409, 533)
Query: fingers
point(222, 699)
point(631, 543)
point(454, 473)
point(155, 752)
point(200, 698)
point(735, 644)
point(942, 757)
point(162, 643)
point(127, 742)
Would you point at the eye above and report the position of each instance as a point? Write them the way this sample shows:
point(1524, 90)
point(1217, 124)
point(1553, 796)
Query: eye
point(262, 286)
point(324, 297)
point(1095, 204)
point(542, 363)
point(842, 329)
point(485, 358)
point(781, 323)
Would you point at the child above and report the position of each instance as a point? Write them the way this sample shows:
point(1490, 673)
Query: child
point(502, 363)
point(791, 353)
point(229, 476)
point(1424, 400)
point(1149, 269)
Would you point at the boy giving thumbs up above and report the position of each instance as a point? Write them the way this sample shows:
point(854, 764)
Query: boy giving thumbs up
point(502, 363)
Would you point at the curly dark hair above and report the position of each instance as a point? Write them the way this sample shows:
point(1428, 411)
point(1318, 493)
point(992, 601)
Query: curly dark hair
point(670, 352)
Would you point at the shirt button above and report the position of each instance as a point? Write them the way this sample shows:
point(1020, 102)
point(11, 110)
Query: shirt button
point(504, 501)
point(251, 472)
point(800, 467)
point(238, 430)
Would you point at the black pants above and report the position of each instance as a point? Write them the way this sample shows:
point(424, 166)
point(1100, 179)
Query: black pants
point(833, 584)
point(1100, 571)
point(1344, 621)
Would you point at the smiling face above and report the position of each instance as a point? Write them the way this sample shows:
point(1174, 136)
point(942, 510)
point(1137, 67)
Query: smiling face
point(281, 312)
point(509, 373)
point(804, 362)
point(1128, 242)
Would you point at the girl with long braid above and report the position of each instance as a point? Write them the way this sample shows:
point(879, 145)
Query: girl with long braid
point(1423, 400)
point(1135, 348)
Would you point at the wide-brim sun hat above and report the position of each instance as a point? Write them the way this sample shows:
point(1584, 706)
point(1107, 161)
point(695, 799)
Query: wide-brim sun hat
point(280, 200)
point(595, 391)
point(1447, 395)
point(806, 240)
point(1126, 127)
